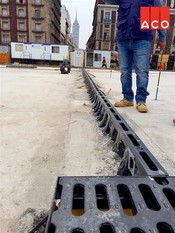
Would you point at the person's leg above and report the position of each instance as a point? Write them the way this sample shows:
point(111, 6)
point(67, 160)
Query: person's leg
point(141, 50)
point(125, 60)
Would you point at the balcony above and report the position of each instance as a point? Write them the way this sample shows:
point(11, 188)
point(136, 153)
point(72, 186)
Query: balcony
point(21, 17)
point(37, 31)
point(5, 29)
point(4, 3)
point(37, 5)
point(21, 30)
point(21, 4)
point(5, 16)
point(37, 18)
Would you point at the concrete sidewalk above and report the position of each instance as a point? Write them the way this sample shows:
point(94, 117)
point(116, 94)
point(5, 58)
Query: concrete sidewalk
point(155, 128)
point(47, 130)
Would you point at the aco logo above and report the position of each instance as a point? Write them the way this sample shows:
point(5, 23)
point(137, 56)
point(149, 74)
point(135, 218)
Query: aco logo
point(154, 18)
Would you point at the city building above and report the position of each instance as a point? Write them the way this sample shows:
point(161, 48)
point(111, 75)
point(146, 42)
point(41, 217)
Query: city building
point(75, 32)
point(104, 26)
point(66, 35)
point(30, 21)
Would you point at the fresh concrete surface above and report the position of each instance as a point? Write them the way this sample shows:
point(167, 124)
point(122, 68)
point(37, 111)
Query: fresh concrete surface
point(155, 128)
point(47, 130)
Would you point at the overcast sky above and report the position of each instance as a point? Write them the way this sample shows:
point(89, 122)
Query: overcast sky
point(85, 10)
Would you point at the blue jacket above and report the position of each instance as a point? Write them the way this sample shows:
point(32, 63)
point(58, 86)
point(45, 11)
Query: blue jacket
point(129, 20)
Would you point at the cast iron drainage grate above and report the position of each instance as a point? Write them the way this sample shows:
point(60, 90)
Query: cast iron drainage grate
point(136, 158)
point(113, 205)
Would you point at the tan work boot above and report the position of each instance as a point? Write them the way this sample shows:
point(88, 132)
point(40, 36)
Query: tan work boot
point(124, 103)
point(141, 107)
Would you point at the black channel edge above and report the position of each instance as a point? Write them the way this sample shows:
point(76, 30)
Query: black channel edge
point(113, 205)
point(136, 158)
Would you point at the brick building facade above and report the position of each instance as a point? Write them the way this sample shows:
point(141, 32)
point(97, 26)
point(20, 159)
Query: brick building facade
point(30, 21)
point(104, 27)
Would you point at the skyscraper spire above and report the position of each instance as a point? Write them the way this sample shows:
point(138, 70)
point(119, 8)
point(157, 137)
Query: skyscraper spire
point(76, 31)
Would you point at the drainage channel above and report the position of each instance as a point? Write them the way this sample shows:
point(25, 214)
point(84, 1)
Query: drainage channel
point(141, 199)
point(136, 158)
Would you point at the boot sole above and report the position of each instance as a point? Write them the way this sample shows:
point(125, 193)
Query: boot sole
point(143, 111)
point(123, 106)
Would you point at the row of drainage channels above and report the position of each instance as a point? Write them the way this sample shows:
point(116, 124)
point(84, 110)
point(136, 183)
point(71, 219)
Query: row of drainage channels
point(108, 228)
point(125, 196)
point(127, 203)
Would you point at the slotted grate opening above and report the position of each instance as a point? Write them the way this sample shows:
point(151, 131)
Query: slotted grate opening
point(102, 198)
point(78, 200)
point(77, 231)
point(136, 230)
point(149, 197)
point(164, 227)
point(148, 161)
point(107, 228)
point(170, 195)
point(117, 117)
point(161, 180)
point(124, 127)
point(126, 200)
point(133, 140)
point(112, 110)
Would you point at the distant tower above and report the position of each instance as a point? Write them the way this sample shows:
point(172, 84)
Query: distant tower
point(75, 33)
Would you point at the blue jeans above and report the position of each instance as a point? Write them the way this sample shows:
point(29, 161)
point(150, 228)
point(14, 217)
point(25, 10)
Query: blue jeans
point(135, 52)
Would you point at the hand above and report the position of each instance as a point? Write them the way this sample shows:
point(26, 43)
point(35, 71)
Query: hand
point(161, 45)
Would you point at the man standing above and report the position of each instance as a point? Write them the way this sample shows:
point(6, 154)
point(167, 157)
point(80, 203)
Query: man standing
point(134, 47)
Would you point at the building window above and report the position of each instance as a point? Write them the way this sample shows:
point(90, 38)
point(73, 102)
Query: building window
point(21, 12)
point(5, 25)
point(6, 38)
point(19, 47)
point(37, 1)
point(97, 57)
point(5, 1)
point(106, 35)
point(55, 49)
point(37, 14)
point(21, 38)
point(21, 26)
point(107, 16)
point(38, 39)
point(4, 12)
point(38, 27)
